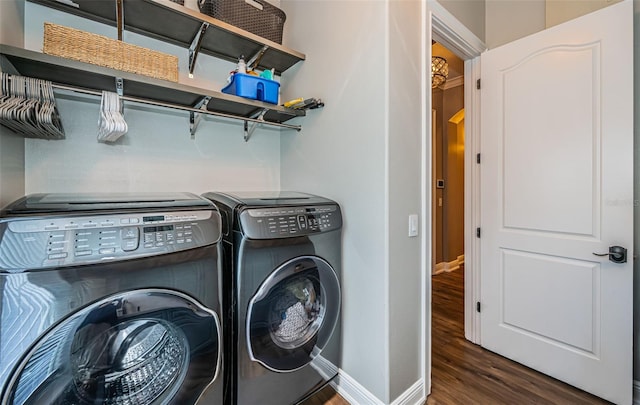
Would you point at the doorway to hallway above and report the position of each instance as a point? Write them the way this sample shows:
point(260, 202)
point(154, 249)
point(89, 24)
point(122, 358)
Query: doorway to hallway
point(448, 160)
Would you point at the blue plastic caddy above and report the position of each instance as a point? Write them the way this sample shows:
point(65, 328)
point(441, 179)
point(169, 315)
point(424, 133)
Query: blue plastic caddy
point(254, 87)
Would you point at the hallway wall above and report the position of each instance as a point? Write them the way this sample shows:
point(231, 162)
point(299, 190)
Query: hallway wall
point(449, 218)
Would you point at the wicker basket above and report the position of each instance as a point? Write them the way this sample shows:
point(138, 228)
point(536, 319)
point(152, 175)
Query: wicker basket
point(256, 16)
point(86, 47)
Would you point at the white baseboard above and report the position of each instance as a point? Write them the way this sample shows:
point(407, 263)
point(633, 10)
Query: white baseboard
point(636, 392)
point(414, 395)
point(323, 366)
point(449, 266)
point(354, 393)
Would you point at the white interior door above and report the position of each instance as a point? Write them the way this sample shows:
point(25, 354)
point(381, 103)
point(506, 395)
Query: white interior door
point(556, 187)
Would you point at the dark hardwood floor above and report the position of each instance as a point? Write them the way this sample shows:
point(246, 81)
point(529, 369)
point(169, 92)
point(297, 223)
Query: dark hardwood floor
point(326, 396)
point(464, 373)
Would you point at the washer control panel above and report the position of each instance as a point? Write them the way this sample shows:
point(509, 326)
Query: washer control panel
point(285, 222)
point(32, 243)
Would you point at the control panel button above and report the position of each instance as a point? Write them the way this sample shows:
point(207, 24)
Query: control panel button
point(129, 245)
point(55, 256)
point(106, 251)
point(83, 252)
point(130, 232)
point(302, 222)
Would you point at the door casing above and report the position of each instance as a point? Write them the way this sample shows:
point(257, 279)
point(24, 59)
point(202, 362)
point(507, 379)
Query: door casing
point(444, 28)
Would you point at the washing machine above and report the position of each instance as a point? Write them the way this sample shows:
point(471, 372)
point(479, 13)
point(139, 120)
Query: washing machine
point(110, 299)
point(283, 294)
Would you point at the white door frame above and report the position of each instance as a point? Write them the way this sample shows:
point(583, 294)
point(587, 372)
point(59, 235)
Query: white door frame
point(443, 27)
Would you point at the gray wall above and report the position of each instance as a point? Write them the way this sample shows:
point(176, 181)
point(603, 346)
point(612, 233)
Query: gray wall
point(11, 166)
point(471, 13)
point(449, 218)
point(157, 153)
point(509, 20)
point(405, 145)
point(11, 22)
point(558, 11)
point(453, 212)
point(11, 146)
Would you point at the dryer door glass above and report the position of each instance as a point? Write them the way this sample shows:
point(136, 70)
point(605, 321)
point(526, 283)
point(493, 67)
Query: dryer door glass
point(143, 347)
point(293, 314)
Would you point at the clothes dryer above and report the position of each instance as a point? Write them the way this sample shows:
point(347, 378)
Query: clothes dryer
point(282, 278)
point(110, 299)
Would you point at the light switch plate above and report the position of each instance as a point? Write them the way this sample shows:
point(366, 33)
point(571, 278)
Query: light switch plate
point(413, 225)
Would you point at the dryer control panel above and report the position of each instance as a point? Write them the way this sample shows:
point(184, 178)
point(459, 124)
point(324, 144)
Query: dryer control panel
point(41, 242)
point(287, 222)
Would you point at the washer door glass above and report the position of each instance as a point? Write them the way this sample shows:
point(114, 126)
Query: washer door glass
point(142, 347)
point(293, 314)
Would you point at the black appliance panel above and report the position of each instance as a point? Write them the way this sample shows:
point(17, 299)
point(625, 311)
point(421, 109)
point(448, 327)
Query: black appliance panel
point(289, 221)
point(40, 242)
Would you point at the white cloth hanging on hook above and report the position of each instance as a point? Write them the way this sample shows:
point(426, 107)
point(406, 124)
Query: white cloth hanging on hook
point(111, 123)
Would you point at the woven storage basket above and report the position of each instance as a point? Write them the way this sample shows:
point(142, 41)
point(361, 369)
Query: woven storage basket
point(86, 47)
point(256, 16)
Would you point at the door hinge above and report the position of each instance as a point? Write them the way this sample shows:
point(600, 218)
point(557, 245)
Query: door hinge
point(478, 232)
point(478, 84)
point(478, 158)
point(478, 306)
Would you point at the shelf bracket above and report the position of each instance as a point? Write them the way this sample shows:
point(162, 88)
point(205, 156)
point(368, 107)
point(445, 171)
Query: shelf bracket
point(120, 86)
point(194, 117)
point(255, 59)
point(248, 130)
point(194, 48)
